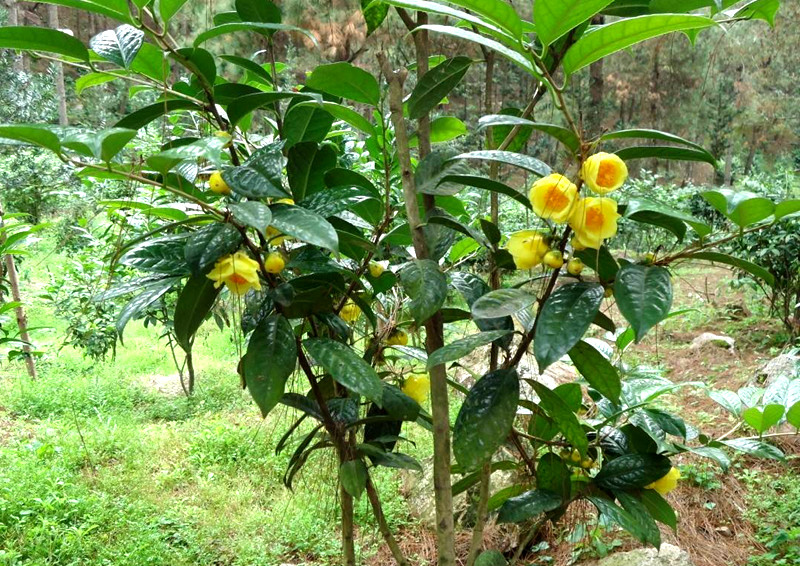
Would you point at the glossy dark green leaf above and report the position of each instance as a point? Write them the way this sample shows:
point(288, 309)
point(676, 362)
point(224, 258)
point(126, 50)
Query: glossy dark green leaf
point(374, 13)
point(353, 475)
point(528, 505)
point(553, 475)
point(665, 152)
point(637, 209)
point(143, 116)
point(343, 113)
point(463, 347)
point(159, 255)
point(346, 367)
point(645, 524)
point(149, 295)
point(260, 27)
point(42, 39)
point(644, 296)
point(119, 45)
point(306, 124)
point(640, 133)
point(306, 226)
point(563, 135)
point(502, 302)
point(485, 418)
point(35, 134)
point(254, 214)
point(306, 167)
point(564, 319)
point(194, 303)
point(755, 447)
point(260, 176)
point(426, 286)
point(597, 370)
point(669, 423)
point(631, 471)
point(435, 85)
point(509, 158)
point(270, 359)
point(244, 105)
point(658, 507)
point(347, 81)
point(210, 243)
point(564, 417)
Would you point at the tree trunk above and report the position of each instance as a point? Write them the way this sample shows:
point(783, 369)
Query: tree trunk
point(751, 151)
point(594, 116)
point(728, 165)
point(61, 91)
point(22, 319)
point(13, 20)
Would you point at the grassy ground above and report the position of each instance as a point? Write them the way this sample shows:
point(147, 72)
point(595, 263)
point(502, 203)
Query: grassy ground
point(106, 463)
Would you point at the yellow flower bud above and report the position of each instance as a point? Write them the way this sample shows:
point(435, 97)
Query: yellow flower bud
point(594, 219)
point(575, 457)
point(418, 387)
point(238, 272)
point(527, 247)
point(275, 262)
point(288, 201)
point(587, 463)
point(553, 259)
point(575, 266)
point(667, 483)
point(397, 338)
point(218, 185)
point(350, 312)
point(608, 292)
point(376, 268)
point(553, 197)
point(604, 172)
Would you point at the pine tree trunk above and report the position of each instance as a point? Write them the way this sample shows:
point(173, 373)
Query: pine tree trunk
point(61, 91)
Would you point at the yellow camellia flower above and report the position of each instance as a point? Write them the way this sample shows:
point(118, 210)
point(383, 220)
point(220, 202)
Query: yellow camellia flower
point(528, 248)
point(604, 172)
point(376, 268)
point(238, 272)
point(594, 219)
point(275, 262)
point(397, 338)
point(350, 312)
point(418, 387)
point(218, 185)
point(667, 483)
point(553, 197)
point(275, 236)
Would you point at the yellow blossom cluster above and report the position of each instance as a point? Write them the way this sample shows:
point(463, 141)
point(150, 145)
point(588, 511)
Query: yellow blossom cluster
point(557, 199)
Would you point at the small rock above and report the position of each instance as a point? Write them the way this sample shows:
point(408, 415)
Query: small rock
point(784, 366)
point(669, 555)
point(724, 531)
point(713, 339)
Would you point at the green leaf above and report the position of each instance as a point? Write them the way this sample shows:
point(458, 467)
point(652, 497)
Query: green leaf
point(564, 319)
point(499, 12)
point(491, 558)
point(640, 133)
point(435, 85)
point(149, 295)
point(374, 12)
point(553, 475)
point(618, 515)
point(116, 9)
point(446, 128)
point(513, 55)
point(35, 134)
point(484, 184)
point(564, 417)
point(566, 136)
point(793, 415)
point(658, 507)
point(252, 213)
point(270, 360)
point(306, 123)
point(260, 176)
point(744, 265)
point(144, 116)
point(651, 212)
point(168, 8)
point(485, 418)
point(343, 113)
point(90, 80)
point(665, 152)
point(346, 367)
point(194, 303)
point(631, 471)
point(759, 10)
point(644, 296)
point(502, 302)
point(747, 208)
point(463, 347)
point(528, 505)
point(755, 447)
point(509, 158)
point(42, 39)
point(554, 18)
point(306, 226)
point(119, 45)
point(261, 27)
point(729, 400)
point(618, 35)
point(597, 370)
point(257, 72)
point(258, 11)
point(646, 528)
point(763, 420)
point(347, 81)
point(210, 243)
point(600, 261)
point(353, 475)
point(244, 105)
point(426, 286)
point(787, 207)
